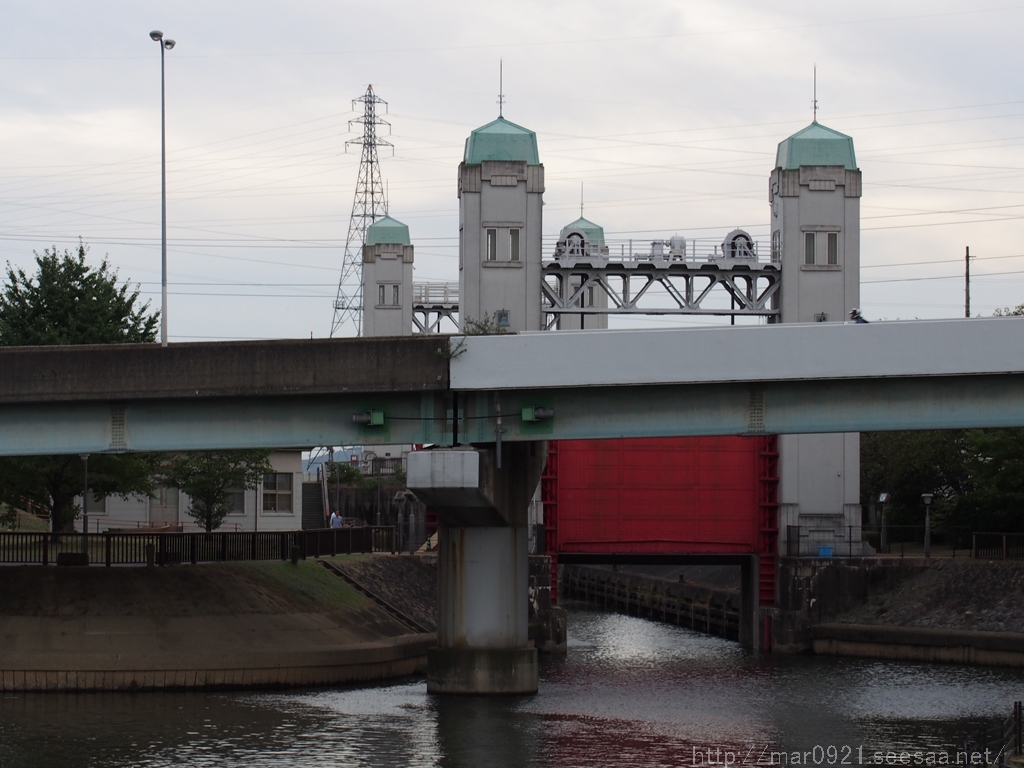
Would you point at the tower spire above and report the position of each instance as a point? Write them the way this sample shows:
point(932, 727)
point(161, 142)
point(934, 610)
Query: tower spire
point(369, 204)
point(815, 97)
point(581, 199)
point(501, 87)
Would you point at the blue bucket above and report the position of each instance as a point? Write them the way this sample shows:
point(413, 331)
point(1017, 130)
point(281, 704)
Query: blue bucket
point(824, 551)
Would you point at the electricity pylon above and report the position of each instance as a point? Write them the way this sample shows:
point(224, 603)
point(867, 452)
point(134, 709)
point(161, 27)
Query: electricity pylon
point(369, 204)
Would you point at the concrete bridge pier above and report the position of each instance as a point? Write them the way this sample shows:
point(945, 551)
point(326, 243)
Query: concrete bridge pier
point(483, 565)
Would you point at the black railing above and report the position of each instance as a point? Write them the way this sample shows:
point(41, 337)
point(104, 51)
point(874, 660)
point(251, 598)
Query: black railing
point(172, 548)
point(995, 746)
point(901, 540)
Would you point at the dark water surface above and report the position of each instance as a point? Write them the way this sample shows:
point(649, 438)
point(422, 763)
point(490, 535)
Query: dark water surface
point(630, 693)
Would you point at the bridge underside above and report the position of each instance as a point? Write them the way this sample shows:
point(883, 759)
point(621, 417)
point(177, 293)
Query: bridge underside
point(777, 379)
point(587, 413)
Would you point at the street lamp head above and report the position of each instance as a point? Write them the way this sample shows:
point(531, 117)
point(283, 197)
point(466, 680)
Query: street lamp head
point(927, 498)
point(883, 498)
point(168, 44)
point(156, 34)
point(83, 456)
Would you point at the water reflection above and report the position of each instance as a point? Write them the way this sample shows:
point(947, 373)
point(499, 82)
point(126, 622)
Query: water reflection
point(630, 693)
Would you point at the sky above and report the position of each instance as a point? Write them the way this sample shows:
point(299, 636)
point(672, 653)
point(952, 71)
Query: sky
point(668, 112)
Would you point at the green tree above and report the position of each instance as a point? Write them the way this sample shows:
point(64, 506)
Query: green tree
point(907, 464)
point(68, 302)
point(209, 476)
point(344, 473)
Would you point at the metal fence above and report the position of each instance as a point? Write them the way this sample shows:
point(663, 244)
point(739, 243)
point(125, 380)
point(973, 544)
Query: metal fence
point(901, 540)
point(172, 548)
point(998, 546)
point(998, 745)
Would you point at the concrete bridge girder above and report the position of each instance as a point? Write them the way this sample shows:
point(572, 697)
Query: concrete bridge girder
point(779, 379)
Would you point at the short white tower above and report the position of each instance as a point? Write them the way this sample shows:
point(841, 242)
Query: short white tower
point(501, 186)
point(387, 279)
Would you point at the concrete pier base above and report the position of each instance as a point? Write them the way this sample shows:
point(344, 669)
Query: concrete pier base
point(482, 670)
point(483, 595)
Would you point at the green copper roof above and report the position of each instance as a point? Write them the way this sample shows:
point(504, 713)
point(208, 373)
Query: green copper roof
point(387, 230)
point(594, 233)
point(501, 140)
point(816, 145)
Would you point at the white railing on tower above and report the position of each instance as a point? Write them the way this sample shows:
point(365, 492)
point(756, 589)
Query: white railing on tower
point(435, 293)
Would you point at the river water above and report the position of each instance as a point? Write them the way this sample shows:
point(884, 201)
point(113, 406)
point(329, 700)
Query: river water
point(630, 693)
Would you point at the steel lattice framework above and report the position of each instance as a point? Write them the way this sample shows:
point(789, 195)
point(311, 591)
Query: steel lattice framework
point(368, 205)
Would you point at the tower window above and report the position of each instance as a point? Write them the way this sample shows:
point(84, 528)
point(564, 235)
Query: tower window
point(394, 295)
point(808, 247)
point(833, 247)
point(776, 245)
point(492, 245)
point(513, 245)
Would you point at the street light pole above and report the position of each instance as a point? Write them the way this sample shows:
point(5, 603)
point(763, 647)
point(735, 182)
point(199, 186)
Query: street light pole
point(158, 36)
point(85, 505)
point(927, 499)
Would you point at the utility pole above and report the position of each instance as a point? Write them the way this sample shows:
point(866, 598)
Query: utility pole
point(370, 203)
point(967, 281)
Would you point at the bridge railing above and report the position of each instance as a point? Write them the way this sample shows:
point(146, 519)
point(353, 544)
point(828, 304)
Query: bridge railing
point(169, 548)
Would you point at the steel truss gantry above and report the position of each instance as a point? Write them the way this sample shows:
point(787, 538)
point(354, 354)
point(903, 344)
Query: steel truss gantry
point(625, 288)
point(432, 304)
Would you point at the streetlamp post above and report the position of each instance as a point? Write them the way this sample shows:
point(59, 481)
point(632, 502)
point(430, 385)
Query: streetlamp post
point(158, 36)
point(927, 499)
point(883, 541)
point(85, 505)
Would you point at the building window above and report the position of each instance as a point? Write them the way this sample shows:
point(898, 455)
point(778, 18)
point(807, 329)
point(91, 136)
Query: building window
point(97, 503)
point(277, 492)
point(513, 245)
point(380, 295)
point(776, 245)
point(492, 245)
point(235, 501)
point(833, 247)
point(395, 294)
point(808, 247)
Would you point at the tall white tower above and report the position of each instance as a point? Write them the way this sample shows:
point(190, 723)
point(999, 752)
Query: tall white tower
point(501, 185)
point(815, 200)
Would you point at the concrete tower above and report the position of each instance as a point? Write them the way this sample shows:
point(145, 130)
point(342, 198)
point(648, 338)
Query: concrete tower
point(501, 185)
point(815, 199)
point(387, 279)
point(583, 241)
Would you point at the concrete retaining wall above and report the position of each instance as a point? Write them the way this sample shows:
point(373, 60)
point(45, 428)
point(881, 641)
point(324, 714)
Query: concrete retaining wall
point(713, 611)
point(129, 672)
point(812, 591)
point(1004, 649)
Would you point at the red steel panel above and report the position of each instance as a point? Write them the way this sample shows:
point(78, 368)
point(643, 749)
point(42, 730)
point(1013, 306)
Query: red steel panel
point(682, 495)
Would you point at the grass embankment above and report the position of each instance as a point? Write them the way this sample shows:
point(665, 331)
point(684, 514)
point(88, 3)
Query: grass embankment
point(308, 580)
point(23, 522)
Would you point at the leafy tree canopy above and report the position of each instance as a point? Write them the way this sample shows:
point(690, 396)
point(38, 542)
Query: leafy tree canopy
point(209, 476)
point(68, 302)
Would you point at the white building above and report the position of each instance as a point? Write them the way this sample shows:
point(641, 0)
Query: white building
point(275, 506)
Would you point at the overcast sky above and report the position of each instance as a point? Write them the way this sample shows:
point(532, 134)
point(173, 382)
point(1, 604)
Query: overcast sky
point(668, 112)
